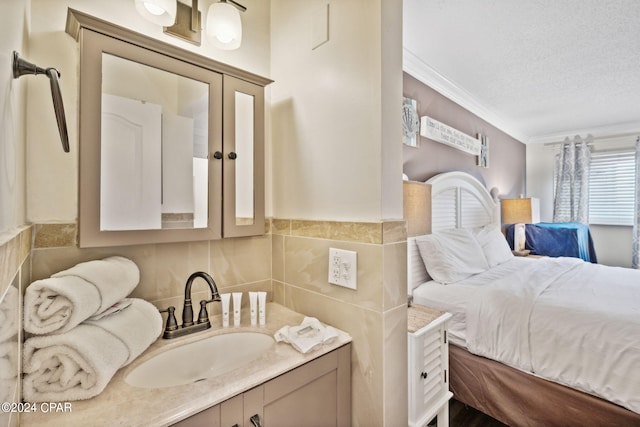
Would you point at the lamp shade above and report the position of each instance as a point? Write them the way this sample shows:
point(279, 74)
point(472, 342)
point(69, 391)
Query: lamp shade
point(160, 12)
point(416, 204)
point(224, 27)
point(520, 211)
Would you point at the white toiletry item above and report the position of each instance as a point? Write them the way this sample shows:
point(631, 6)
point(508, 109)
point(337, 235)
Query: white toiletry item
point(262, 309)
point(253, 306)
point(237, 300)
point(225, 309)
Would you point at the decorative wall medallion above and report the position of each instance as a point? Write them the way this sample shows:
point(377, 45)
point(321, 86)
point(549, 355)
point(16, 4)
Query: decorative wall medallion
point(410, 122)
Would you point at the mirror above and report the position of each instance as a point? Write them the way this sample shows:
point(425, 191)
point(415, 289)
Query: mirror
point(245, 209)
point(154, 145)
point(148, 124)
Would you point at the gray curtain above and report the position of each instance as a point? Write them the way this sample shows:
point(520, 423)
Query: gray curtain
point(635, 261)
point(571, 203)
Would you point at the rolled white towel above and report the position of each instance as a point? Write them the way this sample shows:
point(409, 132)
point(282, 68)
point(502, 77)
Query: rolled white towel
point(59, 303)
point(79, 364)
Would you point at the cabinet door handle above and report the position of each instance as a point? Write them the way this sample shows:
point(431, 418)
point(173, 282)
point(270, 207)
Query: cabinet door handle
point(235, 425)
point(217, 155)
point(424, 375)
point(232, 155)
point(255, 420)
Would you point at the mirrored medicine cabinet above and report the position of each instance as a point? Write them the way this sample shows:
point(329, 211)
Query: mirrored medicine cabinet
point(171, 143)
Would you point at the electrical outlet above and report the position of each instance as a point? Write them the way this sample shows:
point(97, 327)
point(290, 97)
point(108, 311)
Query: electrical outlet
point(343, 268)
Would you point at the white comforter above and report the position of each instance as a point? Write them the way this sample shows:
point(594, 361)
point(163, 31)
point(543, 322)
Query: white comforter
point(565, 320)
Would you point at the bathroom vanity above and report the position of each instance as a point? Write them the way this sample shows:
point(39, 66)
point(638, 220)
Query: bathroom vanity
point(282, 386)
point(318, 391)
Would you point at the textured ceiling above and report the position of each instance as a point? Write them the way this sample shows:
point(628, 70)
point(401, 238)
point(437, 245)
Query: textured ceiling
point(540, 70)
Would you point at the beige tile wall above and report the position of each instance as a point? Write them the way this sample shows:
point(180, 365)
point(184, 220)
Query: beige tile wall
point(15, 247)
point(291, 263)
point(236, 265)
point(375, 314)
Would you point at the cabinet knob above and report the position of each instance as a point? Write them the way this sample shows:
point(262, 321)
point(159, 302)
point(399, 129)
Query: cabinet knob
point(424, 375)
point(217, 155)
point(233, 155)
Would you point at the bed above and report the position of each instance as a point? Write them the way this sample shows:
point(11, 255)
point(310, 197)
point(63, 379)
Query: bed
point(534, 342)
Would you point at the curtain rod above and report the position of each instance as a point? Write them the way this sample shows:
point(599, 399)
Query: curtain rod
point(590, 139)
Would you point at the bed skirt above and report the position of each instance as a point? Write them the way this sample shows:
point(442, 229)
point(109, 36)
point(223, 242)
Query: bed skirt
point(519, 399)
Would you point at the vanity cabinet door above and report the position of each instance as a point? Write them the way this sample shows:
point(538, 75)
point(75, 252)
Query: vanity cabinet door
point(231, 412)
point(253, 407)
point(243, 158)
point(317, 393)
point(209, 417)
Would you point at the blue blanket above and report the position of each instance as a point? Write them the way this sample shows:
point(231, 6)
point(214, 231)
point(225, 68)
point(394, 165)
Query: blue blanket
point(570, 239)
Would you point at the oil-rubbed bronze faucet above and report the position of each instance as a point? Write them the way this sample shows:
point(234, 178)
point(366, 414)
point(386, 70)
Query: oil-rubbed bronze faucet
point(172, 330)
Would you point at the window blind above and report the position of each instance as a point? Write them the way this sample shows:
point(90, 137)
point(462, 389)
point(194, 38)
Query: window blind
point(611, 188)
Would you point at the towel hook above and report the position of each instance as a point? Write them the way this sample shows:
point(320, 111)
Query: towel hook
point(22, 67)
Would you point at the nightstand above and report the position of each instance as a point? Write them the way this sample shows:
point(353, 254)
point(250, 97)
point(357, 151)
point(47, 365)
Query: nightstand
point(428, 366)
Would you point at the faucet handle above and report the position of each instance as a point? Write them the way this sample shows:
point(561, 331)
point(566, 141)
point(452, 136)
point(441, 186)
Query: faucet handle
point(172, 324)
point(203, 316)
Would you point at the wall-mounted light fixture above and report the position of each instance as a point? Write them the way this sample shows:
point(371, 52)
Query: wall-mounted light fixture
point(223, 26)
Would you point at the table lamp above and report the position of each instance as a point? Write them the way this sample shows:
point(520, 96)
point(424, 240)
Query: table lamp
point(520, 212)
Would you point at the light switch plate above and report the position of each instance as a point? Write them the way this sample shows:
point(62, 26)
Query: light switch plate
point(343, 268)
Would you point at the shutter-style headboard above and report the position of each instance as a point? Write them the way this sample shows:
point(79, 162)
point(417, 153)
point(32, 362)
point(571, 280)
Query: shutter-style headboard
point(458, 200)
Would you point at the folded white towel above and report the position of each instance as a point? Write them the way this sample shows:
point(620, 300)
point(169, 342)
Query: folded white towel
point(79, 364)
point(307, 337)
point(59, 303)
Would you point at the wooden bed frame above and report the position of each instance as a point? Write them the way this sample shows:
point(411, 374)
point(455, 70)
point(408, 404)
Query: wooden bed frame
point(514, 397)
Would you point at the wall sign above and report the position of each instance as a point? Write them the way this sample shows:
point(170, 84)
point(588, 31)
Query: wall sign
point(439, 132)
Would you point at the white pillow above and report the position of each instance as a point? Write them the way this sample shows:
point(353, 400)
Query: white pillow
point(451, 255)
point(494, 245)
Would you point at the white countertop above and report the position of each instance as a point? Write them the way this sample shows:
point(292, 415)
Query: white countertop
point(123, 405)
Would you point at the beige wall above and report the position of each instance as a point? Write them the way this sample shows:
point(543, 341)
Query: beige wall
point(330, 106)
point(337, 156)
point(13, 24)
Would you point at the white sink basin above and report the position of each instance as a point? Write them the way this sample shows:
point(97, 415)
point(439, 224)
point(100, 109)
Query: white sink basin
point(200, 360)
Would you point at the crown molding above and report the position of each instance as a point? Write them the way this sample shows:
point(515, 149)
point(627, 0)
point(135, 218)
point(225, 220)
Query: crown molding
point(413, 65)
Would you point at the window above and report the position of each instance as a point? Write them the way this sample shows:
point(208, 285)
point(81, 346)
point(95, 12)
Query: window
point(611, 188)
